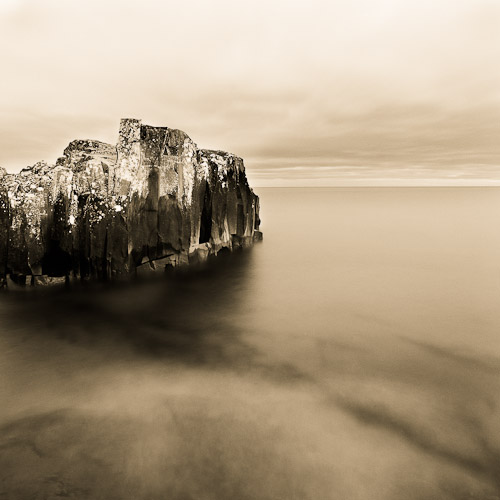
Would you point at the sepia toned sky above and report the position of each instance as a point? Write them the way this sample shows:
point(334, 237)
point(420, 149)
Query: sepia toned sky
point(338, 92)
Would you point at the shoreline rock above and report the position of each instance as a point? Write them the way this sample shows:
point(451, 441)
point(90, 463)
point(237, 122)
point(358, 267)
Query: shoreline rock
point(106, 212)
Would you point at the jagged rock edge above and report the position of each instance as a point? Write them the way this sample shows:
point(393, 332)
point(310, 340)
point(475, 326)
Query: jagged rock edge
point(107, 212)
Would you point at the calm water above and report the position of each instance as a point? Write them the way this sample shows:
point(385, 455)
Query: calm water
point(355, 354)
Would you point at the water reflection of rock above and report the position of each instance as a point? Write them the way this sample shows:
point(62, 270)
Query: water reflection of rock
point(185, 317)
point(147, 399)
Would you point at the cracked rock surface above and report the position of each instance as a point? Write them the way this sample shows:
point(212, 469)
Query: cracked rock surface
point(103, 211)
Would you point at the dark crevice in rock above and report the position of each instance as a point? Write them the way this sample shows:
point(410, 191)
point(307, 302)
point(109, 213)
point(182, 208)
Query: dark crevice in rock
point(206, 216)
point(56, 262)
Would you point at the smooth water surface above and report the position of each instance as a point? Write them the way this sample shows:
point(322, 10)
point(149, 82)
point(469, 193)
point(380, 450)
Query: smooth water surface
point(354, 354)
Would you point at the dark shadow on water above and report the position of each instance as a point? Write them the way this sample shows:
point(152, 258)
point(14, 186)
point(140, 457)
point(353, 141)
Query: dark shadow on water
point(189, 316)
point(487, 364)
point(186, 315)
point(424, 438)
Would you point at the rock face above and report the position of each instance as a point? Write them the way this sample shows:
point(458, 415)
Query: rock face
point(103, 211)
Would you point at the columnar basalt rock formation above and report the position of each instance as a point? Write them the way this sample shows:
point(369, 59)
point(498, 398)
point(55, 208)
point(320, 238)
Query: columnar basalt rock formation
point(103, 211)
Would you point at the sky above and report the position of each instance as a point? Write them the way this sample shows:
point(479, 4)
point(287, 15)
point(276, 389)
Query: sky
point(310, 93)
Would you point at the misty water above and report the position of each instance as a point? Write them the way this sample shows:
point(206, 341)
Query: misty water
point(354, 354)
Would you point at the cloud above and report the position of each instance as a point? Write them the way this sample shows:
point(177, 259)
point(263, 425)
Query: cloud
point(383, 84)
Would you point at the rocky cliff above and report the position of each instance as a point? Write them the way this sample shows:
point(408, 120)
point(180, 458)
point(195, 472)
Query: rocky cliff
point(103, 211)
